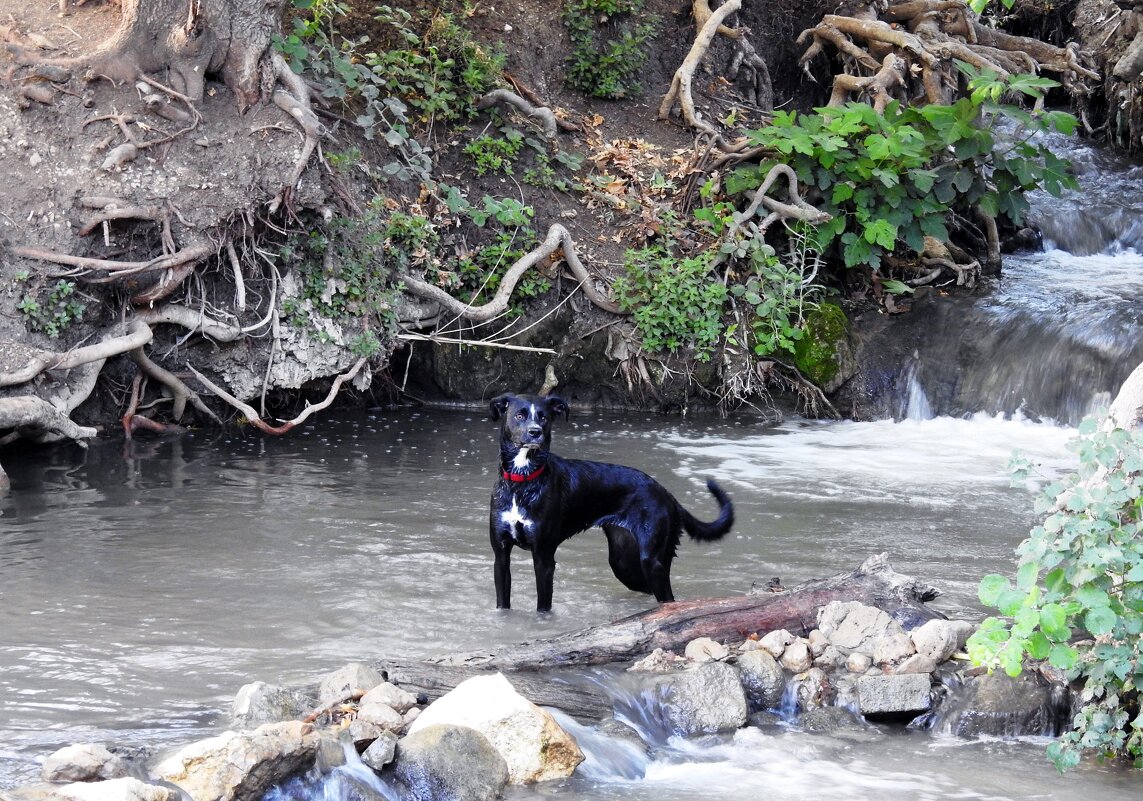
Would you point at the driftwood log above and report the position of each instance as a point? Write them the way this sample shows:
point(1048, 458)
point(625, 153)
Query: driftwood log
point(550, 671)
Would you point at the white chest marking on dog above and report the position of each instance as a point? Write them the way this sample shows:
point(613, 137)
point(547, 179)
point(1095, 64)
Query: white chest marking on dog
point(515, 520)
point(522, 461)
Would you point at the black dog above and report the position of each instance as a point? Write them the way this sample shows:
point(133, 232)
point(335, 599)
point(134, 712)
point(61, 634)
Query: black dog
point(540, 500)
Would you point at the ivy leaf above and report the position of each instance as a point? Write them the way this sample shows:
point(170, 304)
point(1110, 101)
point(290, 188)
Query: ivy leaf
point(991, 586)
point(1100, 621)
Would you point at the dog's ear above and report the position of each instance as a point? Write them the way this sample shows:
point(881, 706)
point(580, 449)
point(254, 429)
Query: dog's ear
point(558, 406)
point(498, 405)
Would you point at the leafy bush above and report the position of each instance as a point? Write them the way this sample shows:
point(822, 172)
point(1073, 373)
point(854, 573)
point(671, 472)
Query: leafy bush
point(609, 41)
point(1077, 601)
point(890, 178)
point(674, 302)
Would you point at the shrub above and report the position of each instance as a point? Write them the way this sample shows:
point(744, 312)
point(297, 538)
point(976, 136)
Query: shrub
point(52, 310)
point(609, 41)
point(674, 302)
point(1077, 600)
point(891, 178)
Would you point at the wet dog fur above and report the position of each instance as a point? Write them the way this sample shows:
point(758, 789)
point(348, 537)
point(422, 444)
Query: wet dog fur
point(541, 499)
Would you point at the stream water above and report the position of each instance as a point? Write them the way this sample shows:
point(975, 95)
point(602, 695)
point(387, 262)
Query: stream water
point(141, 584)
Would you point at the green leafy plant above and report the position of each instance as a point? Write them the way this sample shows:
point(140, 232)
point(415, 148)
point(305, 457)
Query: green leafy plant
point(346, 271)
point(495, 153)
point(889, 179)
point(1077, 599)
point(52, 310)
point(979, 5)
point(609, 42)
point(674, 302)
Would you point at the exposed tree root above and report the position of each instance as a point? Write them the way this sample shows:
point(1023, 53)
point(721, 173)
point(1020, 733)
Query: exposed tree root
point(710, 24)
point(256, 420)
point(119, 340)
point(908, 51)
point(181, 394)
point(558, 238)
point(33, 418)
point(505, 97)
point(795, 209)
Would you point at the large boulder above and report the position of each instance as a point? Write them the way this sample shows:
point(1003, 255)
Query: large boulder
point(707, 699)
point(442, 762)
point(241, 765)
point(84, 762)
point(532, 744)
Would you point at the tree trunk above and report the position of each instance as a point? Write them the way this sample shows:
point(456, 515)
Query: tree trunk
point(670, 626)
point(193, 38)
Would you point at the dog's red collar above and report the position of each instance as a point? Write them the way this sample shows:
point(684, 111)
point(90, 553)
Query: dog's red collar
point(522, 477)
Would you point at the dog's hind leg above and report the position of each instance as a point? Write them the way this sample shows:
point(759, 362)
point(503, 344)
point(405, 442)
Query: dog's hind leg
point(659, 578)
point(623, 556)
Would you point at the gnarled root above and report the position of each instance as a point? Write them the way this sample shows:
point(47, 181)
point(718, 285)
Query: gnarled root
point(710, 24)
point(505, 97)
point(256, 420)
point(558, 238)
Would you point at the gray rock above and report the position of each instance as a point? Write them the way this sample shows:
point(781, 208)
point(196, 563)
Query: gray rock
point(762, 678)
point(892, 647)
point(381, 751)
point(707, 699)
point(939, 639)
point(346, 681)
point(84, 762)
point(858, 662)
point(832, 720)
point(704, 649)
point(917, 663)
point(812, 689)
point(392, 696)
point(442, 762)
point(900, 694)
point(258, 702)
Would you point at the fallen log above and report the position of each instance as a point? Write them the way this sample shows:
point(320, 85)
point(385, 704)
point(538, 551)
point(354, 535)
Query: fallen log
point(544, 670)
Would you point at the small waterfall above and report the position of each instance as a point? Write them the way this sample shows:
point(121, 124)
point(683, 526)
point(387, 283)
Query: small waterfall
point(915, 404)
point(1053, 338)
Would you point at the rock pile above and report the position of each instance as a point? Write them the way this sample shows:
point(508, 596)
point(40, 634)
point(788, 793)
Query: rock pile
point(483, 735)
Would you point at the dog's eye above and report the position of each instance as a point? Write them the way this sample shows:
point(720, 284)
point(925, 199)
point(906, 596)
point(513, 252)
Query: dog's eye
point(520, 415)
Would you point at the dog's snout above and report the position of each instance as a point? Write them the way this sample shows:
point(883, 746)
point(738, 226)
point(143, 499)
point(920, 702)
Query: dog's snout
point(535, 430)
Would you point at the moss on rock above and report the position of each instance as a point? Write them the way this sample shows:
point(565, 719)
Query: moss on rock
point(823, 354)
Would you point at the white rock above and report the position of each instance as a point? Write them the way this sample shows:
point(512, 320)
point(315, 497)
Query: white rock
point(775, 642)
point(527, 737)
point(704, 649)
point(83, 762)
point(797, 658)
point(122, 789)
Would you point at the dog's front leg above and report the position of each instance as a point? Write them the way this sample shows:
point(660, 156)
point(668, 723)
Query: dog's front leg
point(502, 574)
point(545, 566)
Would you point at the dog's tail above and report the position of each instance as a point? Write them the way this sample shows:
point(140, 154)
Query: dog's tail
point(715, 529)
